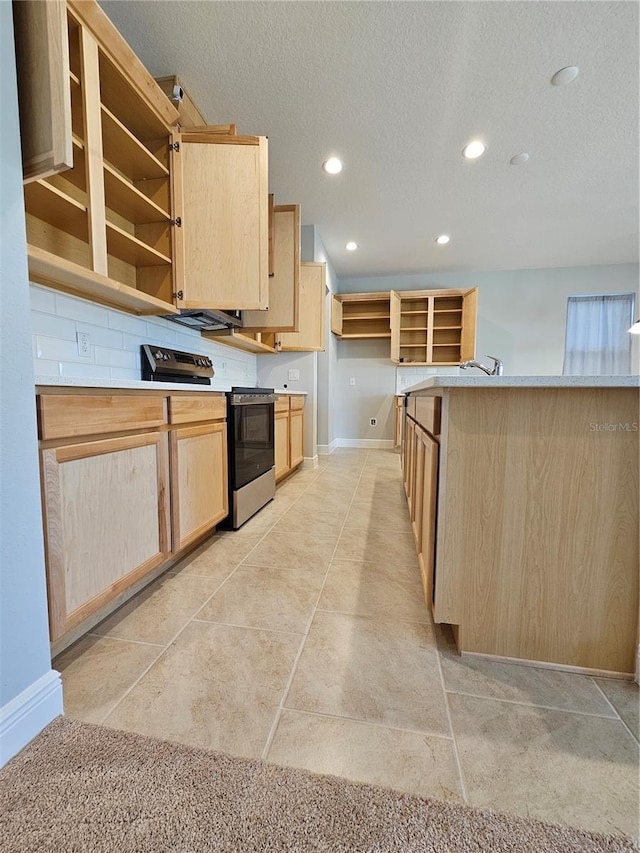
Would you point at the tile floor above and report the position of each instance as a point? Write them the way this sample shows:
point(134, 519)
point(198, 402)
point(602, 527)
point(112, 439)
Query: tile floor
point(302, 639)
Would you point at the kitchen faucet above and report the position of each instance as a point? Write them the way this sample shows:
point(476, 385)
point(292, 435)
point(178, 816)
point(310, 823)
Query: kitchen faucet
point(496, 370)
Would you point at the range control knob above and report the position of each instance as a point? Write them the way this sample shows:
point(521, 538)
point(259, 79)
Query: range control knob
point(158, 354)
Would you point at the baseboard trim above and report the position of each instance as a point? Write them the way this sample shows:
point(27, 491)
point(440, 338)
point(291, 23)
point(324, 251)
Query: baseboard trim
point(327, 449)
point(28, 713)
point(368, 443)
point(309, 463)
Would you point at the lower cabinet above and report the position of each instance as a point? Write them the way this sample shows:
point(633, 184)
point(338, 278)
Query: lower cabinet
point(199, 494)
point(128, 482)
point(420, 463)
point(106, 519)
point(289, 434)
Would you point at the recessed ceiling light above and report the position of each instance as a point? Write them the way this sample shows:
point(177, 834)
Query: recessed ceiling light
point(443, 239)
point(332, 165)
point(474, 150)
point(565, 75)
point(519, 159)
point(351, 246)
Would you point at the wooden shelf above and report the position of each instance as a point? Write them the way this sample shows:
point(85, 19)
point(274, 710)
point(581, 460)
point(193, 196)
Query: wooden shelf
point(373, 315)
point(46, 268)
point(233, 338)
point(123, 197)
point(75, 80)
point(348, 336)
point(126, 152)
point(131, 250)
point(50, 204)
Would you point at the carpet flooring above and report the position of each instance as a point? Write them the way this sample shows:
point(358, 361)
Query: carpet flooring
point(80, 787)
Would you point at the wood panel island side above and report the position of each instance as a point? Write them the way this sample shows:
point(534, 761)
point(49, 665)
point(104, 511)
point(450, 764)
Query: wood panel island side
point(523, 494)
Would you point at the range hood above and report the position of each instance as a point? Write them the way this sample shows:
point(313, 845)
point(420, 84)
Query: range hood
point(207, 320)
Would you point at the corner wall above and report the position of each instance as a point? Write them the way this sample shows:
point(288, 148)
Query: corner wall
point(30, 691)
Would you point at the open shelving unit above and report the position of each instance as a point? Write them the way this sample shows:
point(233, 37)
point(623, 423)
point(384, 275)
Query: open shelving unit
point(103, 228)
point(360, 315)
point(434, 327)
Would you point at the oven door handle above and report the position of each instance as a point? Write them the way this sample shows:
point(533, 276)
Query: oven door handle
point(251, 400)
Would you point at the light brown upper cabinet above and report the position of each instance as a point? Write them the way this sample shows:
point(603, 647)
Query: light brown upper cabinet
point(42, 63)
point(310, 335)
point(148, 219)
point(360, 315)
point(434, 327)
point(221, 197)
point(282, 313)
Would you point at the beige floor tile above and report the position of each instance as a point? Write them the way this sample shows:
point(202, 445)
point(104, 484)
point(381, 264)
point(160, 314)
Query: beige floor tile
point(294, 550)
point(377, 545)
point(406, 761)
point(553, 765)
point(373, 589)
point(531, 685)
point(365, 669)
point(266, 597)
point(378, 517)
point(225, 552)
point(98, 671)
point(625, 698)
point(216, 687)
point(321, 521)
point(157, 613)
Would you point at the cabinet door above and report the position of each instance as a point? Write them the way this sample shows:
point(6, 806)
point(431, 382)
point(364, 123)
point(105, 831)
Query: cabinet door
point(42, 62)
point(281, 440)
point(222, 246)
point(199, 484)
point(336, 316)
point(296, 437)
point(394, 319)
point(469, 318)
point(106, 521)
point(284, 285)
point(310, 335)
point(427, 524)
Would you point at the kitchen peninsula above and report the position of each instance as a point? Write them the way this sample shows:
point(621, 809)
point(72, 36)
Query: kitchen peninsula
point(523, 494)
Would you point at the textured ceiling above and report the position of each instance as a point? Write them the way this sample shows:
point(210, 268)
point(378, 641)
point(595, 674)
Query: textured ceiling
point(396, 89)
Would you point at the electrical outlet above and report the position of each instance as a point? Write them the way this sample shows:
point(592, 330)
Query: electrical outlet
point(373, 422)
point(294, 373)
point(84, 347)
point(352, 380)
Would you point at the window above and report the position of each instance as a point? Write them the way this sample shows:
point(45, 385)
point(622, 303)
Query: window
point(597, 341)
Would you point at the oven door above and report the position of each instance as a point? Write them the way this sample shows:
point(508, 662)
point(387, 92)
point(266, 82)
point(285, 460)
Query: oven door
point(251, 454)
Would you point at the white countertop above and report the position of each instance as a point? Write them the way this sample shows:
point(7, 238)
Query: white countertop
point(525, 382)
point(142, 384)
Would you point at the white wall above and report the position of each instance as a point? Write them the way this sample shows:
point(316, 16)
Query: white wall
point(115, 338)
point(521, 313)
point(368, 363)
point(30, 692)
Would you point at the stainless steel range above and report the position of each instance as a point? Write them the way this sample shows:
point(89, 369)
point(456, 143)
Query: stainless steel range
point(250, 433)
point(161, 364)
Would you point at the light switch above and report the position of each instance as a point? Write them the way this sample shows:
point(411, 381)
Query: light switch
point(294, 373)
point(352, 380)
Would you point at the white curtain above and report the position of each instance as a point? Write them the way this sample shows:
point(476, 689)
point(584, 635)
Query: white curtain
point(597, 341)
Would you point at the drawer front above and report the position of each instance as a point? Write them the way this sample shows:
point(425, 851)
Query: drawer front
point(197, 407)
point(282, 403)
point(296, 403)
point(411, 406)
point(72, 415)
point(428, 413)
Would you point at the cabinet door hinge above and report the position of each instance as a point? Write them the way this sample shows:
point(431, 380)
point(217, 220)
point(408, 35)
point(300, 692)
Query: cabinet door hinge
point(179, 294)
point(174, 146)
point(177, 222)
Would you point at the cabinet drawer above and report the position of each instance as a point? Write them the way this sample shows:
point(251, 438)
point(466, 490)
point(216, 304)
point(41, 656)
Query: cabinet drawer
point(71, 415)
point(198, 407)
point(296, 403)
point(411, 406)
point(282, 404)
point(427, 413)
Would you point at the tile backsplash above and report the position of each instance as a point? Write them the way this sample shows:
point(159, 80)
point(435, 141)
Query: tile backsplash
point(114, 341)
point(408, 376)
